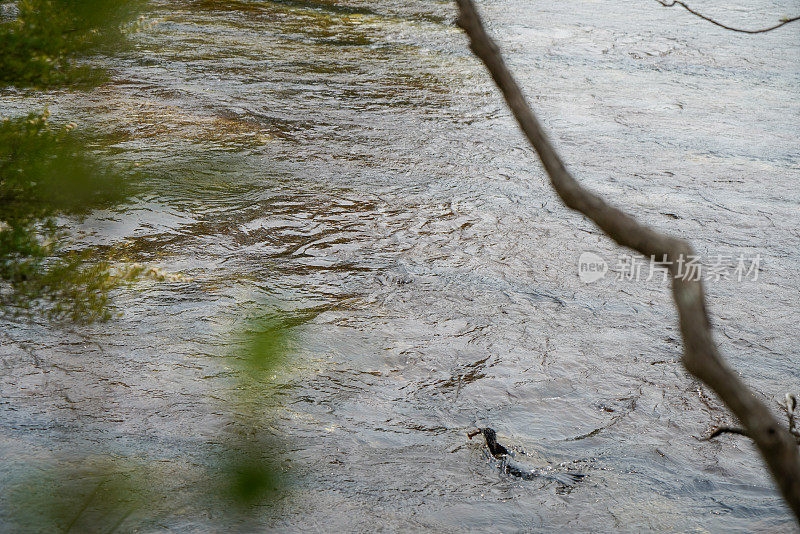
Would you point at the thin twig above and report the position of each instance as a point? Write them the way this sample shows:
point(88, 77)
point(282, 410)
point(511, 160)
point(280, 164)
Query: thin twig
point(725, 430)
point(789, 406)
point(700, 356)
point(673, 3)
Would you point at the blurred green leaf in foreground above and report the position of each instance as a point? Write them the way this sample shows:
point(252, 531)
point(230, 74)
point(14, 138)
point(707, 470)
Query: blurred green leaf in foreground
point(248, 470)
point(88, 496)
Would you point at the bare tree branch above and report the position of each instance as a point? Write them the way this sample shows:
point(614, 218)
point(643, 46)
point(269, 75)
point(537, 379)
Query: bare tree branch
point(673, 3)
point(700, 356)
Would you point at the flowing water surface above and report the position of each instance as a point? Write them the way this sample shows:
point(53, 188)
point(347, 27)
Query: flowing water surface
point(350, 164)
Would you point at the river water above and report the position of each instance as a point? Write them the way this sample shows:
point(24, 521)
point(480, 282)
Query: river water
point(351, 166)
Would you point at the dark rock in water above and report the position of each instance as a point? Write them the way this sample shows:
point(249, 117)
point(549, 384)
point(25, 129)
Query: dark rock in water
point(490, 436)
point(506, 462)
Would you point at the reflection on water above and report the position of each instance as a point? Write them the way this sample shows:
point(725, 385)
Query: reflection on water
point(350, 164)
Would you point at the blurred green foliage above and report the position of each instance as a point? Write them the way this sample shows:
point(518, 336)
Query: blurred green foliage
point(92, 495)
point(47, 171)
point(111, 492)
point(264, 346)
point(39, 48)
point(247, 474)
point(249, 468)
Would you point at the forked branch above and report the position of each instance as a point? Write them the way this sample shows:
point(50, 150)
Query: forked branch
point(700, 357)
